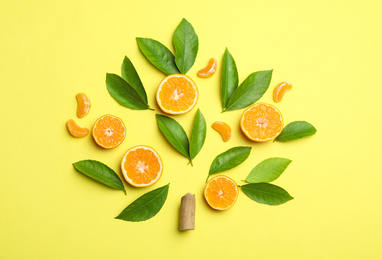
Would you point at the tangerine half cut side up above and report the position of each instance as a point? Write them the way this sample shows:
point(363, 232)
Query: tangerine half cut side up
point(76, 130)
point(141, 166)
point(261, 122)
point(221, 192)
point(280, 90)
point(209, 70)
point(83, 105)
point(109, 131)
point(177, 94)
point(224, 129)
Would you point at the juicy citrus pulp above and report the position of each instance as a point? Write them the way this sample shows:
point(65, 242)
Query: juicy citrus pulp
point(109, 131)
point(261, 122)
point(83, 104)
point(280, 90)
point(209, 70)
point(75, 130)
point(177, 94)
point(223, 129)
point(221, 192)
point(141, 166)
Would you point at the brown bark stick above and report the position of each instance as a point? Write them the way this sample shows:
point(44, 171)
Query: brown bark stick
point(187, 212)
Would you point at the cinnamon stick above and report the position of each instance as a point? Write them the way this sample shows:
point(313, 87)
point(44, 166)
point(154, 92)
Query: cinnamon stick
point(187, 212)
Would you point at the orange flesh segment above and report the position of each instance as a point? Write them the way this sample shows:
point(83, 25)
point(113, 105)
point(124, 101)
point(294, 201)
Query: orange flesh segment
point(280, 90)
point(83, 105)
point(141, 166)
point(221, 192)
point(261, 122)
point(223, 129)
point(209, 70)
point(75, 130)
point(109, 131)
point(177, 94)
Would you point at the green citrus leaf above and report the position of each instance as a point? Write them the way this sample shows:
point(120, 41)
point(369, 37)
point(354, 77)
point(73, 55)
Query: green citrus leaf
point(296, 130)
point(230, 78)
point(268, 170)
point(266, 193)
point(198, 134)
point(100, 172)
point(146, 206)
point(130, 75)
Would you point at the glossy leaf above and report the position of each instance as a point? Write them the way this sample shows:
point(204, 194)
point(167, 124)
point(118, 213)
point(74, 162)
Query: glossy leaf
point(250, 90)
point(174, 134)
point(186, 46)
point(268, 170)
point(124, 94)
point(130, 75)
point(230, 78)
point(146, 206)
point(198, 134)
point(158, 54)
point(296, 130)
point(266, 193)
point(100, 172)
point(229, 159)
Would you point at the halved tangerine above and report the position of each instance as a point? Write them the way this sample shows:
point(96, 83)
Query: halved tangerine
point(209, 70)
point(224, 129)
point(221, 192)
point(177, 94)
point(109, 131)
point(76, 130)
point(280, 90)
point(141, 166)
point(261, 122)
point(83, 105)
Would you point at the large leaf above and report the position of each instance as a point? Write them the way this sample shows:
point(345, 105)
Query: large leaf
point(124, 94)
point(186, 46)
point(296, 130)
point(250, 90)
point(268, 170)
point(266, 193)
point(146, 206)
point(229, 159)
point(174, 134)
point(230, 78)
point(158, 54)
point(131, 76)
point(198, 134)
point(100, 172)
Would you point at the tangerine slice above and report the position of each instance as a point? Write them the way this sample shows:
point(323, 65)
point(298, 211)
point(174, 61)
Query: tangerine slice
point(177, 94)
point(83, 105)
point(223, 129)
point(221, 192)
point(75, 130)
point(109, 131)
point(209, 70)
point(280, 90)
point(141, 166)
point(261, 122)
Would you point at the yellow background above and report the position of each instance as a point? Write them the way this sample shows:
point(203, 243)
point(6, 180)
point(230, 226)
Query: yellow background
point(329, 50)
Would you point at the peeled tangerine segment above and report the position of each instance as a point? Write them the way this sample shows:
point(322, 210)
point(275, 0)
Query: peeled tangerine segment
point(83, 105)
point(209, 70)
point(280, 90)
point(223, 129)
point(75, 130)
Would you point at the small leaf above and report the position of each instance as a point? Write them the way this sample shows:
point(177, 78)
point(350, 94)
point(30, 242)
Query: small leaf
point(158, 54)
point(296, 130)
point(130, 75)
point(100, 172)
point(268, 170)
point(230, 78)
point(229, 159)
point(146, 206)
point(174, 133)
point(186, 46)
point(123, 93)
point(250, 90)
point(266, 193)
point(198, 134)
